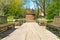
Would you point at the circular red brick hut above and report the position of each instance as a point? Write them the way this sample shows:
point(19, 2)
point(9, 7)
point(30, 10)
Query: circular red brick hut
point(30, 16)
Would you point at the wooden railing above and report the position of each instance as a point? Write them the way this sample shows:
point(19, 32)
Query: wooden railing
point(6, 26)
point(56, 23)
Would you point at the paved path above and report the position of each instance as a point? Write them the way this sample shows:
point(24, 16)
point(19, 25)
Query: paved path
point(31, 31)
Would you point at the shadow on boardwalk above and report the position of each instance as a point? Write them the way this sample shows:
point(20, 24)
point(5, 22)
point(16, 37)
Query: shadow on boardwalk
point(6, 33)
point(55, 32)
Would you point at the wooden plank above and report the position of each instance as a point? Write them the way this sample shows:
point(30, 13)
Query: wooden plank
point(31, 31)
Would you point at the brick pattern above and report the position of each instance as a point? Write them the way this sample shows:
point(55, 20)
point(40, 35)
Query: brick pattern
point(29, 17)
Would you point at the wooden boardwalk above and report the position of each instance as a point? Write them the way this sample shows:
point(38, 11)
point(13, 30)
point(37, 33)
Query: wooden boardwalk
point(31, 31)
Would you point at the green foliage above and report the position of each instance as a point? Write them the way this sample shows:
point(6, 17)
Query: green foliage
point(53, 10)
point(50, 21)
point(14, 8)
point(3, 19)
point(10, 18)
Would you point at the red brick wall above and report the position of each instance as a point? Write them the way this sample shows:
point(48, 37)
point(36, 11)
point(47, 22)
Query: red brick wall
point(29, 17)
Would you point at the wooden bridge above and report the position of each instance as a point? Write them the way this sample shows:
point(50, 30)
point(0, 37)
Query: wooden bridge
point(31, 31)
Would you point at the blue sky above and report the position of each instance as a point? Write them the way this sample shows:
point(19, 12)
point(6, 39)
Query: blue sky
point(29, 4)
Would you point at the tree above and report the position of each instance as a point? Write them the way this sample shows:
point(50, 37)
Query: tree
point(1, 7)
point(12, 8)
point(41, 5)
point(53, 9)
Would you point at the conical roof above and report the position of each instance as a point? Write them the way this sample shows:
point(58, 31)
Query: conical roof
point(29, 12)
